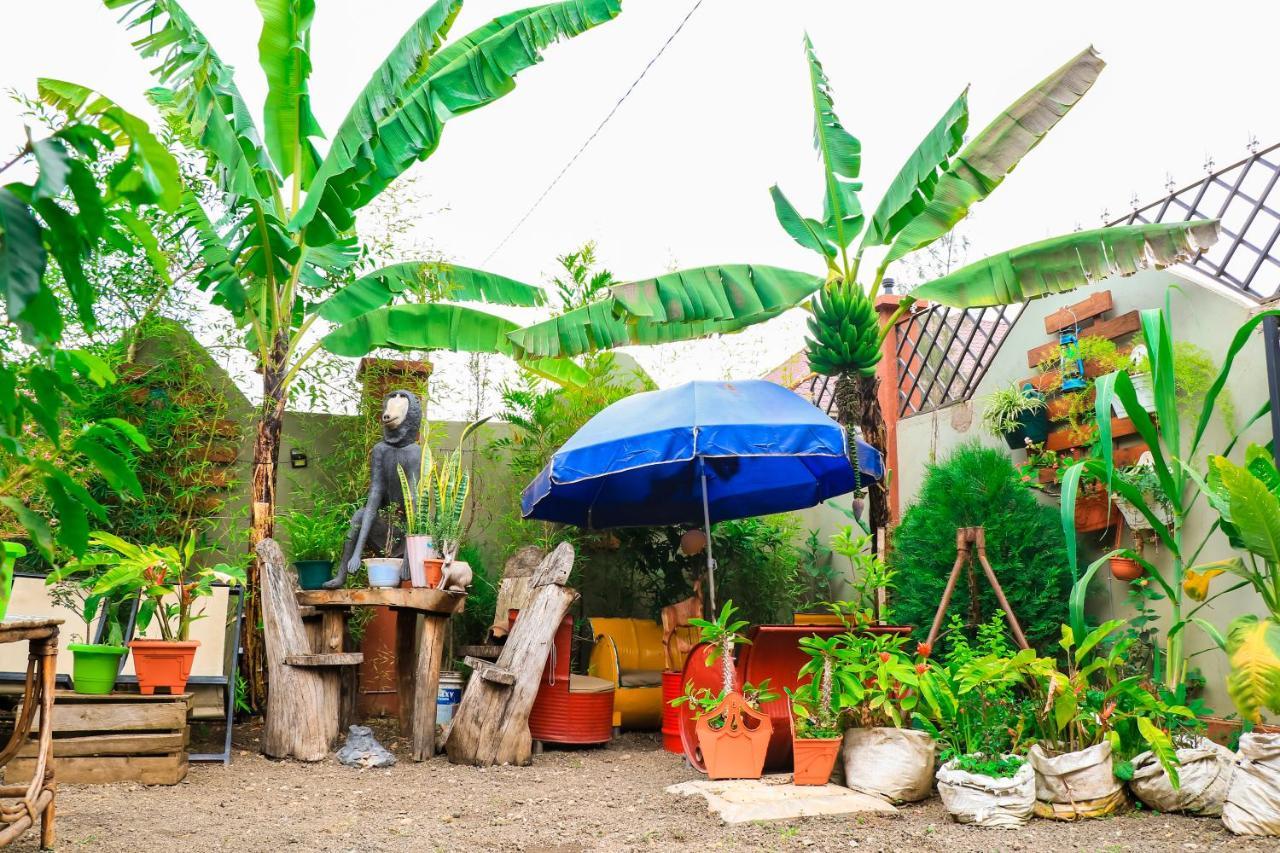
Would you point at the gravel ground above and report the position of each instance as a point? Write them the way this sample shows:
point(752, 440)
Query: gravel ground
point(569, 800)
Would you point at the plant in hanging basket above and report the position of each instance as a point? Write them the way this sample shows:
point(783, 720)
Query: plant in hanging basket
point(1016, 414)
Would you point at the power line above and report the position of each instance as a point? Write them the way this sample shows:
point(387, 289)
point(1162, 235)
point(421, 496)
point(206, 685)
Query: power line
point(538, 201)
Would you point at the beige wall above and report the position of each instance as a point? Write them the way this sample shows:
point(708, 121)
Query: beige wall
point(1202, 316)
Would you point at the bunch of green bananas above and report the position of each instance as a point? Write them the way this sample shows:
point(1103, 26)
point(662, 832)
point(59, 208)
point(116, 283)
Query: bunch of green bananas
point(844, 330)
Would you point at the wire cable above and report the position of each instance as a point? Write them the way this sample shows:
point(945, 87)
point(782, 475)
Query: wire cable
point(546, 192)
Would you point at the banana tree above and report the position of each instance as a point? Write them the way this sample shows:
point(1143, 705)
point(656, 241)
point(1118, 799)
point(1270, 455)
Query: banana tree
point(933, 191)
point(281, 254)
point(1178, 487)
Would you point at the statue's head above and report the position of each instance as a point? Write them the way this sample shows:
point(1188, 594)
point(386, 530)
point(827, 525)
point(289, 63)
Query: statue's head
point(401, 418)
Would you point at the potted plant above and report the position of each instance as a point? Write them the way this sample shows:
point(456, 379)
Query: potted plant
point(1142, 477)
point(96, 665)
point(170, 585)
point(733, 734)
point(450, 490)
point(1093, 718)
point(882, 754)
point(815, 713)
point(315, 540)
point(975, 698)
point(1017, 414)
point(419, 544)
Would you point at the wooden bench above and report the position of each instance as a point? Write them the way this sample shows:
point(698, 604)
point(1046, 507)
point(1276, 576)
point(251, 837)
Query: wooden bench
point(303, 706)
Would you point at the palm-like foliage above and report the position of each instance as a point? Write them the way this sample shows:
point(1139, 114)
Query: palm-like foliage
point(281, 252)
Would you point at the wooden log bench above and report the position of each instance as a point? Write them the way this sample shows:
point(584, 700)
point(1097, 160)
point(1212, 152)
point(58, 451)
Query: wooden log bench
point(304, 704)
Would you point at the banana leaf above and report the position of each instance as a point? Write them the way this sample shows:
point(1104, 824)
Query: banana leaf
point(841, 156)
point(809, 233)
point(992, 154)
point(912, 188)
point(1060, 264)
point(284, 54)
point(201, 91)
point(676, 306)
point(424, 326)
point(389, 130)
point(435, 280)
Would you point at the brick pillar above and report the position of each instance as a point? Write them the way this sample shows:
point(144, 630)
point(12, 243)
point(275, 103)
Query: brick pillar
point(887, 373)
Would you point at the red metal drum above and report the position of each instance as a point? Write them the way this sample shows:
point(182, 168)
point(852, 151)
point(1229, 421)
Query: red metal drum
point(701, 674)
point(672, 687)
point(572, 709)
point(775, 654)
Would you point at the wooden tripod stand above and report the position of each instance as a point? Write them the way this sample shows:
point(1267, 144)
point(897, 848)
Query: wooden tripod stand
point(976, 537)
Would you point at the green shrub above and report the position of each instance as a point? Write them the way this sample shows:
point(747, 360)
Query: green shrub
point(975, 486)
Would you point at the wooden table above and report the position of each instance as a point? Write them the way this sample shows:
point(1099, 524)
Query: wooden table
point(36, 798)
point(417, 657)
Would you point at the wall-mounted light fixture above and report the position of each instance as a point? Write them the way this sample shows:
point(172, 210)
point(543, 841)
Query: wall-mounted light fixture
point(297, 459)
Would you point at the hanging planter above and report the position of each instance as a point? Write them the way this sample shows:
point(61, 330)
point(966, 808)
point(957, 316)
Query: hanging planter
point(1093, 512)
point(1125, 568)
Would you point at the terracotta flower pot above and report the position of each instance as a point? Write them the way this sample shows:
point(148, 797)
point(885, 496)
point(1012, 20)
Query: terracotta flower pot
point(1094, 511)
point(1125, 569)
point(434, 568)
point(814, 757)
point(737, 749)
point(163, 663)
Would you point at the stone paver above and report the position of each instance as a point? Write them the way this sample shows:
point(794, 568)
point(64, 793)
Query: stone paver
point(776, 798)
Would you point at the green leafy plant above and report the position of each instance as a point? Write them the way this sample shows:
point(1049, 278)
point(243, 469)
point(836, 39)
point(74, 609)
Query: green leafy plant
point(722, 634)
point(1041, 458)
point(1003, 408)
point(816, 573)
point(165, 578)
point(815, 704)
point(704, 702)
point(879, 680)
point(1247, 499)
point(1179, 486)
point(978, 486)
point(450, 489)
point(72, 587)
point(319, 532)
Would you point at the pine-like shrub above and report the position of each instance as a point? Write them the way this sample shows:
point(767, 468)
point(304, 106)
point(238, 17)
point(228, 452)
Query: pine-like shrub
point(975, 486)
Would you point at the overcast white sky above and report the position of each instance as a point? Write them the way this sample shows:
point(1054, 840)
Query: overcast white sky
point(681, 174)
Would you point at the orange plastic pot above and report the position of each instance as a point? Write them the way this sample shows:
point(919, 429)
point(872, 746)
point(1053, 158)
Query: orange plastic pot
point(163, 663)
point(737, 748)
point(435, 571)
point(814, 758)
point(1125, 569)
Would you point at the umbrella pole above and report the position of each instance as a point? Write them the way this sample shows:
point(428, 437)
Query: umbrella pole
point(706, 520)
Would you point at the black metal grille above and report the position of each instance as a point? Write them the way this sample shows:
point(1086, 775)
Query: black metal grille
point(943, 353)
point(1245, 197)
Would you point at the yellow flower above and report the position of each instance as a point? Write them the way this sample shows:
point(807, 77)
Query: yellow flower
point(1196, 584)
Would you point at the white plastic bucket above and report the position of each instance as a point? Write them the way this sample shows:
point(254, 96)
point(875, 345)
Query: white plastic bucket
point(448, 695)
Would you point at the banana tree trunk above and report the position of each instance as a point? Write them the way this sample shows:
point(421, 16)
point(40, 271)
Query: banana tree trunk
point(266, 458)
point(858, 403)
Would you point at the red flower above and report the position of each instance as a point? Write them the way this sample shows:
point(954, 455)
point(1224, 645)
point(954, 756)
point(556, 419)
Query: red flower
point(921, 668)
point(924, 650)
point(885, 657)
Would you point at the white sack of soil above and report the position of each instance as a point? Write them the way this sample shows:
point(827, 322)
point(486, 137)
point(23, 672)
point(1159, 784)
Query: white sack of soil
point(896, 764)
point(1204, 770)
point(985, 800)
point(1253, 797)
point(1076, 784)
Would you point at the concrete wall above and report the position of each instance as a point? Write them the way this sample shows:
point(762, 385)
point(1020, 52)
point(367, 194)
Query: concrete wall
point(1201, 315)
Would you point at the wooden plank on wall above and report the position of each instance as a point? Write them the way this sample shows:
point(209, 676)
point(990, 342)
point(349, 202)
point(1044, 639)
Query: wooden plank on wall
point(1065, 438)
point(1116, 327)
point(1098, 303)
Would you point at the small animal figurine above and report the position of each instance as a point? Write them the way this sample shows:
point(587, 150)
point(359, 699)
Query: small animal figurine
point(399, 448)
point(456, 577)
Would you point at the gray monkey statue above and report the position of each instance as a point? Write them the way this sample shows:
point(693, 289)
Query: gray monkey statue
point(401, 424)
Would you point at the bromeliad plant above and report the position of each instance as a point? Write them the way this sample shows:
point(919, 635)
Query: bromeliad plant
point(165, 578)
point(1171, 486)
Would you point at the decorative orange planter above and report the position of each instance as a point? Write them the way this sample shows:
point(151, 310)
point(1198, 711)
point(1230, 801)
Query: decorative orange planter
point(814, 757)
point(1125, 568)
point(435, 571)
point(163, 663)
point(736, 750)
point(1094, 512)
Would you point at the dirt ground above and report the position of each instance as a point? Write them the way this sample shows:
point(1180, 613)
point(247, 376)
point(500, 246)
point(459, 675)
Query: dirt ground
point(569, 800)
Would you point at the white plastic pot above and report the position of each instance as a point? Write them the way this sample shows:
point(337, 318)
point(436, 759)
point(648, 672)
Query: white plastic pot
point(896, 764)
point(1077, 784)
point(384, 572)
point(985, 800)
point(1252, 806)
point(1204, 773)
point(417, 550)
point(1143, 389)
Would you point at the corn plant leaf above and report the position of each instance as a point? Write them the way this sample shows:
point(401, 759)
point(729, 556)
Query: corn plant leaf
point(284, 54)
point(982, 164)
point(200, 92)
point(912, 188)
point(1253, 648)
point(1238, 343)
point(841, 155)
point(1064, 263)
point(398, 119)
point(428, 280)
point(675, 306)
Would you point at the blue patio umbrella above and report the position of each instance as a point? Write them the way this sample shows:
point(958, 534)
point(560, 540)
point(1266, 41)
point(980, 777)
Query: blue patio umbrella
point(700, 452)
